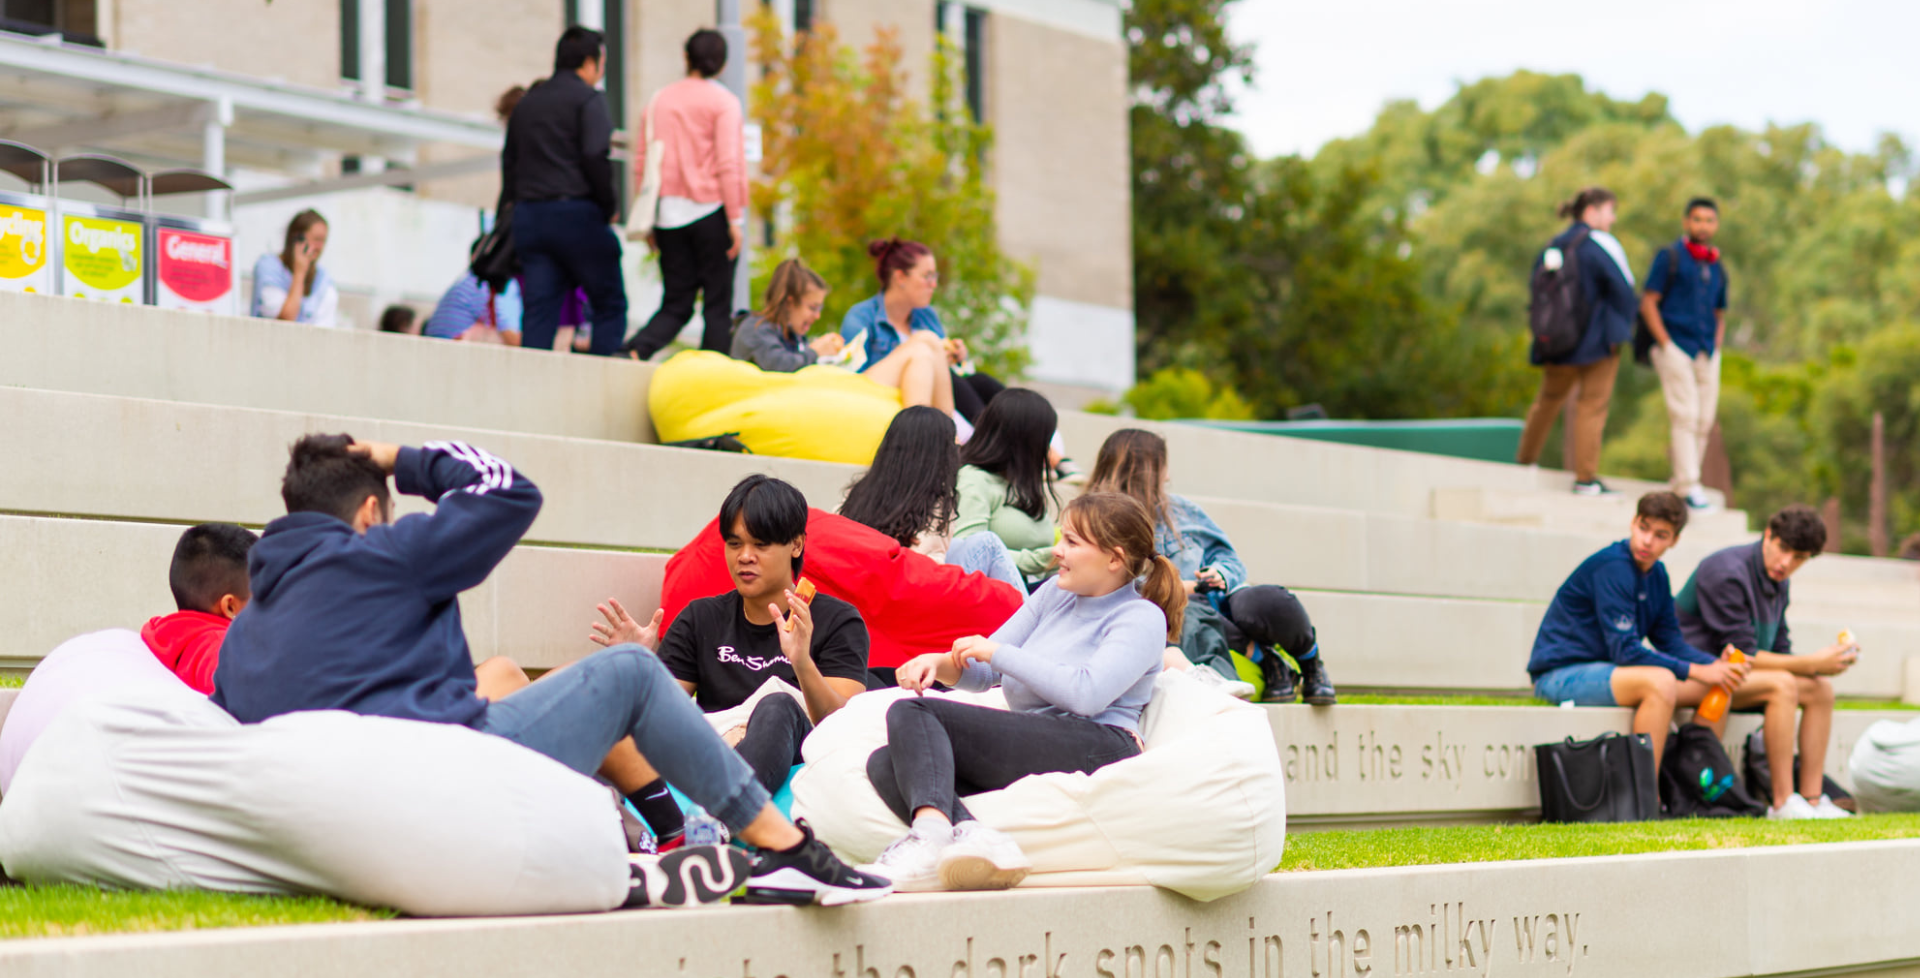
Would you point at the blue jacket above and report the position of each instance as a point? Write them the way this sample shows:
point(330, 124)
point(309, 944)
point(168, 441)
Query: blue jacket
point(1605, 611)
point(1690, 293)
point(369, 623)
point(1611, 302)
point(870, 316)
point(1195, 541)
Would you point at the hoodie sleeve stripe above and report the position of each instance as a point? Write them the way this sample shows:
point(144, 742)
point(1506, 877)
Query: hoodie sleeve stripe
point(494, 473)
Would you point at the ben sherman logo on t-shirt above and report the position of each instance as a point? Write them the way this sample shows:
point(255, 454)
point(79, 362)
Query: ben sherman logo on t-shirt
point(754, 662)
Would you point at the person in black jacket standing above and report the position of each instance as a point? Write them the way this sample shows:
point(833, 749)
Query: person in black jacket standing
point(555, 173)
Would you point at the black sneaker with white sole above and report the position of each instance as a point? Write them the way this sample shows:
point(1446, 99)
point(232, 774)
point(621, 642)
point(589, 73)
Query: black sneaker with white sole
point(686, 877)
point(810, 873)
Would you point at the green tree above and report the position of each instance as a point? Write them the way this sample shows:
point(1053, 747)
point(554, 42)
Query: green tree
point(850, 157)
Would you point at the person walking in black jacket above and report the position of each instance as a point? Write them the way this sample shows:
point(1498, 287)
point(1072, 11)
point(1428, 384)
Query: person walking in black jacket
point(354, 610)
point(556, 175)
point(1607, 284)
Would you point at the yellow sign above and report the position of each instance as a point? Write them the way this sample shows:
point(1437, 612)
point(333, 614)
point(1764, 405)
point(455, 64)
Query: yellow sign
point(23, 241)
point(102, 253)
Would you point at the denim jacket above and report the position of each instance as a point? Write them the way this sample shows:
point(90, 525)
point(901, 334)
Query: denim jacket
point(870, 337)
point(1195, 541)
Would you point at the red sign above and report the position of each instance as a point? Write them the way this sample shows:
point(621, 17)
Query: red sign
point(195, 267)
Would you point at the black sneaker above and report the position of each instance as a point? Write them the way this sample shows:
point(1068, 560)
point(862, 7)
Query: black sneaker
point(1278, 675)
point(809, 873)
point(1593, 488)
point(686, 877)
point(1315, 688)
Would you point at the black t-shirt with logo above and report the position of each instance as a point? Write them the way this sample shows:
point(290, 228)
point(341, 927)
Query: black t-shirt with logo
point(713, 645)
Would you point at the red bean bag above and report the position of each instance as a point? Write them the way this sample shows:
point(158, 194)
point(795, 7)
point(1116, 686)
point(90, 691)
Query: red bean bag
point(911, 602)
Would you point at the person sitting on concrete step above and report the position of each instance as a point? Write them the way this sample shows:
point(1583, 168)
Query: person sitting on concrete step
point(208, 578)
point(1592, 647)
point(1264, 616)
point(354, 610)
point(1738, 597)
point(723, 649)
point(1077, 663)
point(1006, 481)
point(775, 338)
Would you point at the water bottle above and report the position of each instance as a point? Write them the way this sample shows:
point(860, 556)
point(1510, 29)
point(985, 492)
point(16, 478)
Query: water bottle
point(1714, 706)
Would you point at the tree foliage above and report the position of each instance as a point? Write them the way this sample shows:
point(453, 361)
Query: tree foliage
point(849, 156)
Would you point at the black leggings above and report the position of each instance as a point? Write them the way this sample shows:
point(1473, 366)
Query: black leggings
point(972, 392)
point(938, 750)
point(1268, 614)
point(772, 745)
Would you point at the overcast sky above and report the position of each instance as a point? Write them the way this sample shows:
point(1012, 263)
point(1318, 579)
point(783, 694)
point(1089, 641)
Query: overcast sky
point(1325, 68)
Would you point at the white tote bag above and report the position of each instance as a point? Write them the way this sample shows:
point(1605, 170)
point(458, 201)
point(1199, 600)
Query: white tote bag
point(646, 203)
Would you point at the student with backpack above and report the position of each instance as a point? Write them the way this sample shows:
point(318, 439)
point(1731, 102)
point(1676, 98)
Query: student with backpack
point(1685, 308)
point(1581, 312)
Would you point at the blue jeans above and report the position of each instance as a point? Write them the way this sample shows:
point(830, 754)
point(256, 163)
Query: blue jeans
point(577, 714)
point(984, 552)
point(565, 245)
point(1585, 683)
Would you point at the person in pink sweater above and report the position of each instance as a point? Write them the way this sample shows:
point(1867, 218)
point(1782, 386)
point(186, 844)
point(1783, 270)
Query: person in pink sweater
point(703, 198)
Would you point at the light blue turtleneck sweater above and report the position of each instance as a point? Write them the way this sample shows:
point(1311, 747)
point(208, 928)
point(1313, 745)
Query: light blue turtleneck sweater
point(1065, 655)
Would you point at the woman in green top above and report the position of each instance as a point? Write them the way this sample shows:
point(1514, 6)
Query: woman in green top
point(1005, 482)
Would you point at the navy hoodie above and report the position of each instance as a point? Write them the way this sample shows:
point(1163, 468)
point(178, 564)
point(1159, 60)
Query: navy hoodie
point(1607, 611)
point(369, 623)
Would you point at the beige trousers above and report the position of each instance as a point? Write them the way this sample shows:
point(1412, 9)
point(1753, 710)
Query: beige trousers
point(1557, 383)
point(1692, 388)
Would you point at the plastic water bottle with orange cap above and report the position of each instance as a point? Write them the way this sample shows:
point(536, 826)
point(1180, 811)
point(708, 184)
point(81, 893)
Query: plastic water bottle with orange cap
point(1714, 706)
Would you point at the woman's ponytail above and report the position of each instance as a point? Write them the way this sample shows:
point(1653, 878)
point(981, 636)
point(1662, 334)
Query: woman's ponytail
point(1165, 589)
point(1115, 521)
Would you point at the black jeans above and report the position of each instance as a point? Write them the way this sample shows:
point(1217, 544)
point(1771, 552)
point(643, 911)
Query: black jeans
point(938, 750)
point(565, 245)
point(1269, 615)
point(972, 392)
point(693, 262)
point(775, 731)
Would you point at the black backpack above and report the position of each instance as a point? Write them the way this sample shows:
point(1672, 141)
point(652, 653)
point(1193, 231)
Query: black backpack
point(1697, 778)
point(1557, 310)
point(493, 259)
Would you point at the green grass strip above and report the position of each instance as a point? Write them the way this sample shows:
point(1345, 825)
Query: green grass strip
point(1308, 851)
point(71, 911)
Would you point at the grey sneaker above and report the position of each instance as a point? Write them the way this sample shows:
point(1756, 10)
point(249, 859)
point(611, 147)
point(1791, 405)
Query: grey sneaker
point(1593, 488)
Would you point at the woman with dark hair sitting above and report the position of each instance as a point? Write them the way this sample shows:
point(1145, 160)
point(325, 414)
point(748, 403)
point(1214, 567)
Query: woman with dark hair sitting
point(774, 338)
point(1134, 462)
point(1006, 482)
point(909, 494)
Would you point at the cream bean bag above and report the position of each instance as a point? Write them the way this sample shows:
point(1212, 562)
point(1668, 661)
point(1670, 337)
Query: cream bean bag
point(90, 664)
point(154, 788)
point(1202, 812)
point(1885, 767)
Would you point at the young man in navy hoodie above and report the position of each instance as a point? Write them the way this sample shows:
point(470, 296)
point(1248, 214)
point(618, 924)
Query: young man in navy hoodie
point(353, 610)
point(1592, 646)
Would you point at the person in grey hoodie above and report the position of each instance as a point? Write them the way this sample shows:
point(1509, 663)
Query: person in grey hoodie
point(775, 338)
point(1077, 663)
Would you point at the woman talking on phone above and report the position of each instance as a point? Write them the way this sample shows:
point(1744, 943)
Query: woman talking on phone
point(291, 285)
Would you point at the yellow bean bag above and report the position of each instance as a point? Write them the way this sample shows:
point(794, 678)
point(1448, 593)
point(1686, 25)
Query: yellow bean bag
point(819, 412)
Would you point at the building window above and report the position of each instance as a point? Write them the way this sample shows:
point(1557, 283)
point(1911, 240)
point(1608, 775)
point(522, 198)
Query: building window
point(966, 29)
point(74, 20)
point(399, 46)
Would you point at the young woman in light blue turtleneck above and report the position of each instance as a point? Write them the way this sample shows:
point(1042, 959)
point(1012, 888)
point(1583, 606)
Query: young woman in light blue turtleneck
point(1077, 663)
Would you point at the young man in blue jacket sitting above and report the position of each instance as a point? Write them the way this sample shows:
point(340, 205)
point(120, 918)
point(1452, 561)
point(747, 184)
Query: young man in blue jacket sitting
point(1593, 649)
point(353, 610)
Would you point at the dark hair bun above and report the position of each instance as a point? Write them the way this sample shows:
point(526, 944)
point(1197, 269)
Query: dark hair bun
point(877, 249)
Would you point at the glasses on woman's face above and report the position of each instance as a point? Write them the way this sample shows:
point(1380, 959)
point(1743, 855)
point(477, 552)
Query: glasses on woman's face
point(930, 277)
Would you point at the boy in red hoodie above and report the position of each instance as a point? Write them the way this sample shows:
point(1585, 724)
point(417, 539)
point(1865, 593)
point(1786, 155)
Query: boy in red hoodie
point(209, 582)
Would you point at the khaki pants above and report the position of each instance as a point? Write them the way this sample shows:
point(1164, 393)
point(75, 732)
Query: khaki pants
point(1557, 382)
point(1692, 387)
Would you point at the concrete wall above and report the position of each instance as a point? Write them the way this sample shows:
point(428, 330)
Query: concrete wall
point(1798, 910)
point(911, 20)
point(294, 40)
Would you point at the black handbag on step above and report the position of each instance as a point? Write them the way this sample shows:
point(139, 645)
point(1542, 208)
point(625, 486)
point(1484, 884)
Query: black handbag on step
point(1607, 779)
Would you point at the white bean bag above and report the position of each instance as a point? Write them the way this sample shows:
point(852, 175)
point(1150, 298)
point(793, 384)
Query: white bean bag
point(1886, 767)
point(1202, 812)
point(156, 788)
point(90, 664)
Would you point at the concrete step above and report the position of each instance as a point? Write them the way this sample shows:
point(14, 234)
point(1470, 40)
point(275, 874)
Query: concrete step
point(1608, 516)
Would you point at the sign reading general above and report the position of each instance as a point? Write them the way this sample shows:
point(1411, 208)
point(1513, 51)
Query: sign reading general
point(195, 271)
point(103, 259)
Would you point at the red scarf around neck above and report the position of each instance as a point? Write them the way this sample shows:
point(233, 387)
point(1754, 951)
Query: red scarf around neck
point(1702, 253)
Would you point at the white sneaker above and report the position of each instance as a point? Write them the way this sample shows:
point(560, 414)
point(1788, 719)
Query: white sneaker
point(981, 858)
point(912, 862)
point(1825, 808)
point(1232, 687)
point(1697, 500)
point(1795, 808)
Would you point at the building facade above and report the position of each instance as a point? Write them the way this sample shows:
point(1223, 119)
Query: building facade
point(1048, 75)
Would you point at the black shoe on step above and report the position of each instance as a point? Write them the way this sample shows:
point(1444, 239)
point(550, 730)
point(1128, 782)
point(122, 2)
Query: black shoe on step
point(1278, 676)
point(810, 873)
point(1315, 687)
point(686, 877)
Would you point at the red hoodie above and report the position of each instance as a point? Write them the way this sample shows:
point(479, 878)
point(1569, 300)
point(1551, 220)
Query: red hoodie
point(188, 642)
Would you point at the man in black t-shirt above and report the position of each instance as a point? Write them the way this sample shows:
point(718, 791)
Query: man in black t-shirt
point(724, 648)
